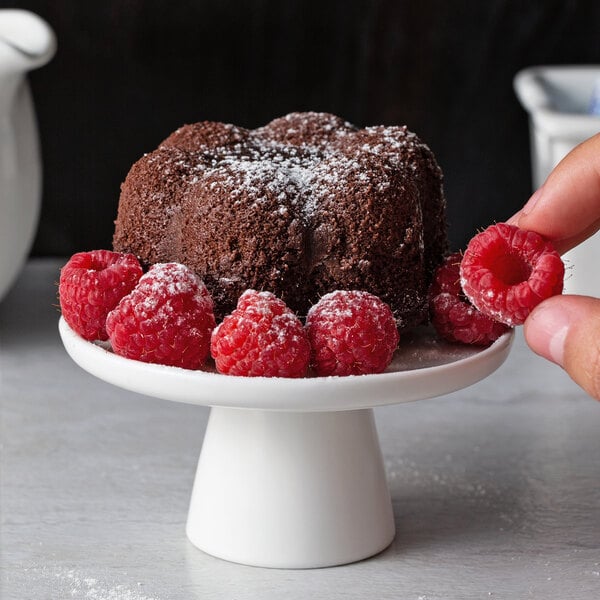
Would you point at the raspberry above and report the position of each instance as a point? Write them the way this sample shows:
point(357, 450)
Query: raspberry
point(507, 271)
point(446, 278)
point(454, 318)
point(167, 319)
point(351, 333)
point(91, 285)
point(262, 337)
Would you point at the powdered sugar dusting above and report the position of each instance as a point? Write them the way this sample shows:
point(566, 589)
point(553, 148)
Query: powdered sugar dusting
point(164, 282)
point(345, 304)
point(258, 168)
point(172, 279)
point(69, 583)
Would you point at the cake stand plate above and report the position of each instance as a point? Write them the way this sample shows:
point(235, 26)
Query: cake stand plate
point(291, 473)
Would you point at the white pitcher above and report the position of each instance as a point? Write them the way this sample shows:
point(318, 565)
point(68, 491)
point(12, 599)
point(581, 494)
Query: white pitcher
point(26, 42)
point(561, 101)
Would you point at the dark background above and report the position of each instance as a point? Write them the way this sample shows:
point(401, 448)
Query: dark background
point(128, 72)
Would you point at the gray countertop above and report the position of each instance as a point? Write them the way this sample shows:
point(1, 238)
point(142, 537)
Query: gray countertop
point(496, 488)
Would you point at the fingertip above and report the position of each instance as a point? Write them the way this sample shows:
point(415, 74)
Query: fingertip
point(565, 329)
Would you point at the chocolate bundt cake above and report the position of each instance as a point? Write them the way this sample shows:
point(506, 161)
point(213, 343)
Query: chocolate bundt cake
point(300, 207)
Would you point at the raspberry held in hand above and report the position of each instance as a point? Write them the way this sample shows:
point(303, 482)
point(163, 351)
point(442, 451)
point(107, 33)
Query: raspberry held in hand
point(507, 271)
point(167, 319)
point(91, 285)
point(351, 333)
point(262, 337)
point(454, 318)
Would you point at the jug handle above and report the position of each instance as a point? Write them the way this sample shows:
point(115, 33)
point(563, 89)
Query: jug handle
point(29, 35)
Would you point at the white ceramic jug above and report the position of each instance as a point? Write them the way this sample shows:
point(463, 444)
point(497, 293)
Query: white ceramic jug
point(561, 104)
point(26, 42)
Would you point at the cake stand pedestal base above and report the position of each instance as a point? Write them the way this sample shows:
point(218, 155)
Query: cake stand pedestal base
point(290, 489)
point(291, 474)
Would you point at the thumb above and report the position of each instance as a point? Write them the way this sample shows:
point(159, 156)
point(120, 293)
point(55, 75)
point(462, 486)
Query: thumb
point(566, 330)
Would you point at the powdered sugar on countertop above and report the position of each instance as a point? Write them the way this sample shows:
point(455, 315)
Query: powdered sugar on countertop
point(73, 584)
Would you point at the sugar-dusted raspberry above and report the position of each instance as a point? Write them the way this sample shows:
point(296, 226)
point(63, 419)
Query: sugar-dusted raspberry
point(454, 318)
point(261, 337)
point(506, 271)
point(90, 286)
point(351, 333)
point(167, 319)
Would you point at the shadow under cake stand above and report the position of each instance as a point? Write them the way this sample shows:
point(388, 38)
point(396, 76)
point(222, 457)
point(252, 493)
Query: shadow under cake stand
point(291, 473)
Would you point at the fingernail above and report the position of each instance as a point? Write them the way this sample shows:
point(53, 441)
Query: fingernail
point(527, 208)
point(556, 346)
point(546, 331)
point(514, 220)
point(530, 204)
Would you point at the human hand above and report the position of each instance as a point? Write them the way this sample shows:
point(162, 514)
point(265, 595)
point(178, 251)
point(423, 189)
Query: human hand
point(566, 210)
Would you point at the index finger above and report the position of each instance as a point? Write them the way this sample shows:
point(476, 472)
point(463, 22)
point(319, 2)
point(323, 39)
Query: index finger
point(566, 209)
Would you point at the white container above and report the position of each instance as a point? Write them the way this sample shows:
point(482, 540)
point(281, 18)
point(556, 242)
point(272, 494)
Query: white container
point(26, 42)
point(561, 101)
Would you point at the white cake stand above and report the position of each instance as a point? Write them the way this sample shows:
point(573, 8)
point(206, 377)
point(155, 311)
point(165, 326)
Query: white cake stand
point(291, 473)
